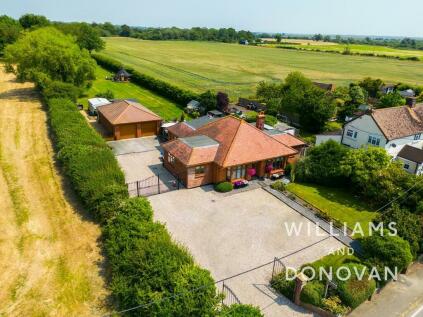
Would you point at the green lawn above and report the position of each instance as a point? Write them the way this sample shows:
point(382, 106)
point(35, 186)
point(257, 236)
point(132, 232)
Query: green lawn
point(237, 69)
point(165, 108)
point(337, 203)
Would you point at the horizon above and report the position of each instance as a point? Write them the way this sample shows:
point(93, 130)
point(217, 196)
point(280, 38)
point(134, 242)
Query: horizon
point(378, 18)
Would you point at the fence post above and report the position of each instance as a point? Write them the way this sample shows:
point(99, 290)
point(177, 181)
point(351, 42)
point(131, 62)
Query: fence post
point(138, 189)
point(223, 292)
point(273, 269)
point(158, 183)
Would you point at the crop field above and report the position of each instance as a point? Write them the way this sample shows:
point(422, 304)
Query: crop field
point(355, 48)
point(237, 69)
point(165, 108)
point(50, 260)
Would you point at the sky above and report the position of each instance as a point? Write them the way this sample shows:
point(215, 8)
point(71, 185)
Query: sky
point(344, 17)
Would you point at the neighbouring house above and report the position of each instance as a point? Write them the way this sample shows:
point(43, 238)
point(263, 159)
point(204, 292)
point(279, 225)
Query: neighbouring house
point(215, 114)
point(412, 159)
point(243, 42)
point(387, 89)
point(283, 127)
point(390, 128)
point(409, 93)
point(122, 75)
point(227, 149)
point(194, 106)
point(326, 87)
point(329, 135)
point(125, 119)
point(93, 103)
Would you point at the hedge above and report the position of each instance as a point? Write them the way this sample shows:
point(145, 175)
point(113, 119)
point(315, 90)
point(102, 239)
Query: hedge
point(176, 94)
point(283, 285)
point(240, 310)
point(313, 293)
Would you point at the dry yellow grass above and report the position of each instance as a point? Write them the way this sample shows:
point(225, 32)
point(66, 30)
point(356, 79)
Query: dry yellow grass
point(50, 262)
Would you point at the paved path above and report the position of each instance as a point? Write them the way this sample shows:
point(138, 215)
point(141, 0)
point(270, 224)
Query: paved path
point(310, 215)
point(402, 298)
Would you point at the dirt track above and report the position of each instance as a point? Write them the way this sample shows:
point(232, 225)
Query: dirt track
point(50, 262)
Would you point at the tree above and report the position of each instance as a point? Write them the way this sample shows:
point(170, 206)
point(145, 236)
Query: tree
point(48, 51)
point(318, 37)
point(372, 86)
point(278, 38)
point(89, 38)
point(125, 31)
point(318, 166)
point(208, 100)
point(357, 95)
point(108, 94)
point(391, 100)
point(385, 250)
point(408, 225)
point(32, 21)
point(222, 101)
point(10, 30)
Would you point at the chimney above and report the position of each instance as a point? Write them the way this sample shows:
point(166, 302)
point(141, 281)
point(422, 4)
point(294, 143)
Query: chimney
point(260, 120)
point(411, 101)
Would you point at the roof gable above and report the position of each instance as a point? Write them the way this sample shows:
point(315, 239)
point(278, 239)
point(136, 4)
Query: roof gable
point(412, 154)
point(125, 111)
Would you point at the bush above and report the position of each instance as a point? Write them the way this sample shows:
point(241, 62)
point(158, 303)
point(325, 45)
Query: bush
point(313, 293)
point(58, 89)
point(251, 116)
point(180, 96)
point(224, 187)
point(283, 285)
point(108, 94)
point(278, 185)
point(270, 120)
point(334, 305)
point(355, 291)
point(240, 310)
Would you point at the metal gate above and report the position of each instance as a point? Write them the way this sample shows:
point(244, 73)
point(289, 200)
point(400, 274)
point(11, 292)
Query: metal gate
point(153, 185)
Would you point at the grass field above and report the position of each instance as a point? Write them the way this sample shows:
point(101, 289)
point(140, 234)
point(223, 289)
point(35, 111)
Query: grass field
point(357, 48)
point(237, 69)
point(165, 108)
point(337, 203)
point(50, 260)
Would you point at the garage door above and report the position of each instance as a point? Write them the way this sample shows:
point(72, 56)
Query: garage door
point(128, 131)
point(148, 128)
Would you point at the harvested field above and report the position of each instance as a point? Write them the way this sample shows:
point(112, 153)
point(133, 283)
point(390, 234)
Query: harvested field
point(50, 261)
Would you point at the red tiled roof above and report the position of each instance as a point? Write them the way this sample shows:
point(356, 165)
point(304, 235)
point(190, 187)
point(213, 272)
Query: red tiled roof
point(288, 139)
point(398, 122)
point(180, 130)
point(190, 156)
point(239, 143)
point(125, 111)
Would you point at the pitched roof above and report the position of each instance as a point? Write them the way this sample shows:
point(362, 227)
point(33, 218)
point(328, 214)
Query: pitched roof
point(412, 154)
point(289, 139)
point(328, 87)
point(123, 72)
point(398, 122)
point(193, 150)
point(126, 111)
point(181, 129)
point(241, 143)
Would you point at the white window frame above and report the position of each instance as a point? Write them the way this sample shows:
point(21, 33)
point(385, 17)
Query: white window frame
point(170, 158)
point(417, 136)
point(373, 140)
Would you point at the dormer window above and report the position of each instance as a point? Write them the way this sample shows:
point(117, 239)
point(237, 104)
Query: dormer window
point(417, 136)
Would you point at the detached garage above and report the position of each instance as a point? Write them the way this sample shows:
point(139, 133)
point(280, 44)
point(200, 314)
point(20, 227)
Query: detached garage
point(127, 119)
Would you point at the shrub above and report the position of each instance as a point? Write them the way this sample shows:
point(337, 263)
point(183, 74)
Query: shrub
point(313, 293)
point(108, 94)
point(386, 251)
point(283, 285)
point(180, 96)
point(270, 120)
point(278, 185)
point(240, 310)
point(224, 187)
point(251, 116)
point(334, 305)
point(355, 291)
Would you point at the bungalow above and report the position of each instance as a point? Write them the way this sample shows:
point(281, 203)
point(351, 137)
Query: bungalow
point(227, 149)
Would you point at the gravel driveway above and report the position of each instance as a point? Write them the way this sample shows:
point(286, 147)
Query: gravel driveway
point(232, 234)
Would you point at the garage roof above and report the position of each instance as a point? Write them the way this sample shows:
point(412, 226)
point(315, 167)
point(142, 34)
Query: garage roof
point(126, 111)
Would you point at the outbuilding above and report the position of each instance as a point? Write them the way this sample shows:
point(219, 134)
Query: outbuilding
point(126, 119)
point(122, 75)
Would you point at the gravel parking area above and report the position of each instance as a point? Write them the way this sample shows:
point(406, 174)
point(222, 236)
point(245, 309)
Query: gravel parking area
point(232, 234)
